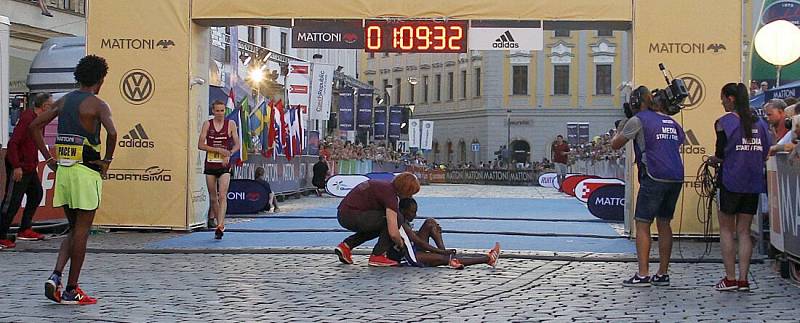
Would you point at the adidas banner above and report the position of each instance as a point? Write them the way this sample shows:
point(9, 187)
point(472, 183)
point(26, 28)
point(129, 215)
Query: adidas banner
point(506, 38)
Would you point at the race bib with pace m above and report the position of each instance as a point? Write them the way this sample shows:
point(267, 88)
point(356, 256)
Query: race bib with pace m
point(69, 149)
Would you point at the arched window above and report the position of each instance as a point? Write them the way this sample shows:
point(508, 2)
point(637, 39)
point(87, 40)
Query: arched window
point(449, 151)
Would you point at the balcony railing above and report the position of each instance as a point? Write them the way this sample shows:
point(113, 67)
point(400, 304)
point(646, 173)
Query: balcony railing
point(75, 7)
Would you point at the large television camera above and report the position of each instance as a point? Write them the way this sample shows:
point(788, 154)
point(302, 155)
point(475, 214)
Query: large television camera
point(670, 98)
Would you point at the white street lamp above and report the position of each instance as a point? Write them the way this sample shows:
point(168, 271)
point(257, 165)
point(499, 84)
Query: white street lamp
point(778, 43)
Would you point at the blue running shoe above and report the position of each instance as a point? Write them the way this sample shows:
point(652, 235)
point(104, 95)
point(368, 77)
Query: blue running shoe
point(52, 288)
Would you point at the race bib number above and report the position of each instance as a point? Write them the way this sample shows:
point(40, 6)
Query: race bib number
point(69, 149)
point(214, 157)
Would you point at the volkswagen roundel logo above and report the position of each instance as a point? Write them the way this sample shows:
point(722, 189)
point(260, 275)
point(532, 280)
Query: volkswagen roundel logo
point(696, 89)
point(137, 86)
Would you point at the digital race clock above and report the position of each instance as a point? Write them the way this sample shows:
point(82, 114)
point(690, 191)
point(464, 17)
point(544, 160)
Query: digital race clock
point(416, 36)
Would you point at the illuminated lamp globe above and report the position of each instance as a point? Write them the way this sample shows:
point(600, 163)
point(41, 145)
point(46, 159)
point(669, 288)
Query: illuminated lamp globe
point(256, 75)
point(778, 43)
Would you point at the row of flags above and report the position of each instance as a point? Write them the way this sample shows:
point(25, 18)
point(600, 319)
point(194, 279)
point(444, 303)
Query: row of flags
point(269, 128)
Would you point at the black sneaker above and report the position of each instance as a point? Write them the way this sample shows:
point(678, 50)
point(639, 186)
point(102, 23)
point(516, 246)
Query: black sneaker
point(219, 232)
point(660, 280)
point(212, 223)
point(637, 281)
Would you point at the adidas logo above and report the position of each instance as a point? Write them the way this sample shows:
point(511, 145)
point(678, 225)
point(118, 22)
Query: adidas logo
point(691, 145)
point(136, 138)
point(505, 41)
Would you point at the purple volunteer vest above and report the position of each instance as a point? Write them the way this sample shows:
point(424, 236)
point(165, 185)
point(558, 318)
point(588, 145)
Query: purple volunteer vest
point(743, 167)
point(662, 141)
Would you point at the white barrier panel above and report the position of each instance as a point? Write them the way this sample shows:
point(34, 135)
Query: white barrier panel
point(547, 179)
point(340, 185)
point(585, 188)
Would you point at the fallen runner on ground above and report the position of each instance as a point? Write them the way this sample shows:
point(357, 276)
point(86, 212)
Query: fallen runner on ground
point(429, 256)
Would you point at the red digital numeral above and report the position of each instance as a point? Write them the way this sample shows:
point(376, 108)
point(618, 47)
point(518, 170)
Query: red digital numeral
point(374, 38)
point(406, 38)
point(423, 38)
point(441, 37)
point(457, 36)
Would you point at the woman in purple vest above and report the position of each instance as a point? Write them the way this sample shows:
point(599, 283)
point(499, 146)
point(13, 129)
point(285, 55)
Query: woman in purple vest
point(742, 147)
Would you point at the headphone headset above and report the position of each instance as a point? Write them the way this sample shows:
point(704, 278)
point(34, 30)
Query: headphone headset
point(637, 97)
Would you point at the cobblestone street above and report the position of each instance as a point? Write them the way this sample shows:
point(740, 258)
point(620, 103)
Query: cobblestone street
point(136, 281)
point(318, 288)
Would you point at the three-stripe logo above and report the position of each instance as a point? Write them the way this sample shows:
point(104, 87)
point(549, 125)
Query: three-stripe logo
point(137, 138)
point(691, 145)
point(506, 40)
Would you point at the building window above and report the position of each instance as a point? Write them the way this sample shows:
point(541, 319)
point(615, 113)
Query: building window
point(371, 83)
point(228, 46)
point(371, 55)
point(478, 81)
point(438, 87)
point(385, 85)
point(464, 84)
point(605, 32)
point(425, 89)
point(284, 43)
point(562, 32)
point(603, 79)
point(561, 80)
point(264, 32)
point(411, 93)
point(398, 87)
point(520, 80)
point(385, 54)
point(450, 86)
point(251, 35)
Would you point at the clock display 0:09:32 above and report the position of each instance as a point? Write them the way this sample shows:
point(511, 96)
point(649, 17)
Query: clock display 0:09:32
point(416, 37)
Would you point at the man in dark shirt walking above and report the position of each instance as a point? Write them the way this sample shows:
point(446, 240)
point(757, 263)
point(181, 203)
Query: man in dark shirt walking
point(560, 158)
point(320, 172)
point(21, 162)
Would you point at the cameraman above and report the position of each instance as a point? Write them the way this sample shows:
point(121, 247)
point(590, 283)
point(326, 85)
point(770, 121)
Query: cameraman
point(742, 147)
point(656, 141)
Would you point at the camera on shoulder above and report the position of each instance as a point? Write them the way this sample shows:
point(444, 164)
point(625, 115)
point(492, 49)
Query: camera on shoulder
point(670, 98)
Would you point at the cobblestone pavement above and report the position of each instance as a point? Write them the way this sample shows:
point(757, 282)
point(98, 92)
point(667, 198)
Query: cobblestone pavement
point(134, 284)
point(316, 288)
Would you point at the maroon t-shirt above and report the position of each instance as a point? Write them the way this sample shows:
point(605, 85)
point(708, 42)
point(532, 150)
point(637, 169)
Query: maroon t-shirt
point(558, 150)
point(371, 195)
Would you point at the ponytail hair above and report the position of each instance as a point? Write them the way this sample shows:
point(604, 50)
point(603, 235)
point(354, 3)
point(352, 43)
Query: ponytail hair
point(741, 105)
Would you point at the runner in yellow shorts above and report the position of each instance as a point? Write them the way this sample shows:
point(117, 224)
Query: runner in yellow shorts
point(79, 169)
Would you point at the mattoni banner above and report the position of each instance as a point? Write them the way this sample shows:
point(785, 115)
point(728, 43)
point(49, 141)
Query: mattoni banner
point(380, 123)
point(150, 100)
point(346, 114)
point(364, 110)
point(705, 60)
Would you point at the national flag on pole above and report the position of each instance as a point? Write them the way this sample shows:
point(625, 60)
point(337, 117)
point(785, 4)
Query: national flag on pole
point(233, 113)
point(272, 132)
point(244, 130)
point(286, 133)
point(229, 104)
point(256, 117)
point(266, 125)
point(296, 132)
